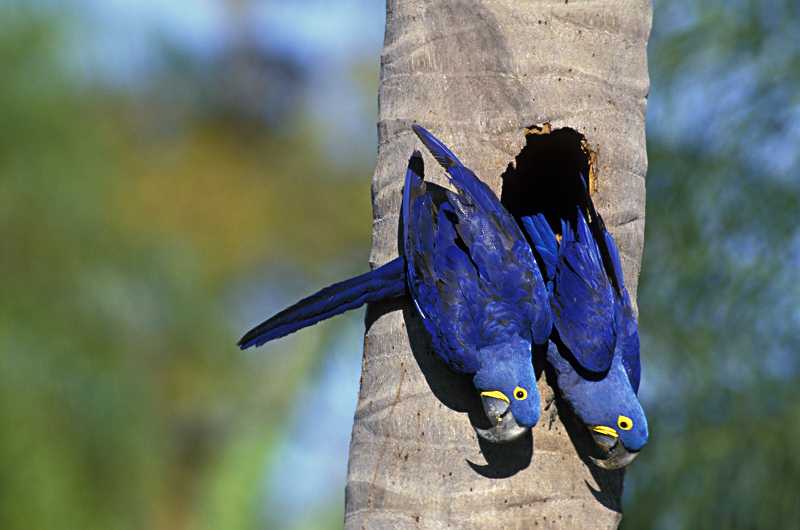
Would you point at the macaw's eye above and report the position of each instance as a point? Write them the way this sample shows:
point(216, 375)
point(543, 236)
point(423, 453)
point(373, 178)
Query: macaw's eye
point(520, 393)
point(624, 423)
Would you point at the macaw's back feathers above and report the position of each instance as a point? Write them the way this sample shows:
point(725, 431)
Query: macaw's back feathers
point(382, 283)
point(472, 280)
point(472, 277)
point(440, 277)
point(510, 286)
point(583, 301)
point(591, 307)
point(627, 328)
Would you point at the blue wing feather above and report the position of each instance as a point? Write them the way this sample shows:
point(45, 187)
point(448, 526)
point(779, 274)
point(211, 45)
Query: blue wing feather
point(544, 242)
point(616, 263)
point(467, 183)
point(497, 249)
point(435, 269)
point(628, 345)
point(627, 326)
point(440, 152)
point(583, 300)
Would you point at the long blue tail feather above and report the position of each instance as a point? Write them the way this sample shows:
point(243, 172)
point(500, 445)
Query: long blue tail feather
point(382, 283)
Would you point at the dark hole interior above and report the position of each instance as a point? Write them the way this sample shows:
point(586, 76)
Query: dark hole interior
point(546, 177)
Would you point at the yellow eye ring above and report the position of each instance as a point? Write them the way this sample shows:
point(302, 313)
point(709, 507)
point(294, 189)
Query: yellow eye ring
point(624, 423)
point(520, 393)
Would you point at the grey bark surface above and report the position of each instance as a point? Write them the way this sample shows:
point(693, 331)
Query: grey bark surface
point(477, 73)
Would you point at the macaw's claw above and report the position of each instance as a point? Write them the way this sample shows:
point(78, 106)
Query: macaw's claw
point(504, 426)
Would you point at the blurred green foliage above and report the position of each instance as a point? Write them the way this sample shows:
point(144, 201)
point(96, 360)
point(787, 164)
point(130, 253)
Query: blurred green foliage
point(127, 222)
point(131, 220)
point(721, 275)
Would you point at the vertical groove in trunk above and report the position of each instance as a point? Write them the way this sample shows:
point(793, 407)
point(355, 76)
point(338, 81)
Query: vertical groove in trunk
point(477, 73)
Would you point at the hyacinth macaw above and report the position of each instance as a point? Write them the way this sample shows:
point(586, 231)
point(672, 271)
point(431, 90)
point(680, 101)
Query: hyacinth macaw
point(595, 354)
point(474, 282)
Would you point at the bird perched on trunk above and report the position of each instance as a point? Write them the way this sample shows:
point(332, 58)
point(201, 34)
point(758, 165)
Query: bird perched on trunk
point(474, 282)
point(595, 354)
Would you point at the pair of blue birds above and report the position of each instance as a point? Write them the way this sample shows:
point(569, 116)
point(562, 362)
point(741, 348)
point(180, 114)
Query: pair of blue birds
point(491, 299)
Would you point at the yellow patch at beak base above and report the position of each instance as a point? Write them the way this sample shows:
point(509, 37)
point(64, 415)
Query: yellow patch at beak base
point(608, 431)
point(497, 395)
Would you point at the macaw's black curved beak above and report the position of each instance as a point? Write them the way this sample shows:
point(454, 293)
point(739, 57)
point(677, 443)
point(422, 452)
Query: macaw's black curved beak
point(504, 426)
point(617, 456)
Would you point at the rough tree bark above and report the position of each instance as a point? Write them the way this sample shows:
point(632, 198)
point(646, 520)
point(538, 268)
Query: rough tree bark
point(477, 73)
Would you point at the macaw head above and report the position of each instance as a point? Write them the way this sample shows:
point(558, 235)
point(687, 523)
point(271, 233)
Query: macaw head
point(621, 431)
point(507, 386)
point(611, 411)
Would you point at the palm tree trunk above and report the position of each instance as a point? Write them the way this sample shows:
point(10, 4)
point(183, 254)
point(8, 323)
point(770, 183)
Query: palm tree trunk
point(477, 73)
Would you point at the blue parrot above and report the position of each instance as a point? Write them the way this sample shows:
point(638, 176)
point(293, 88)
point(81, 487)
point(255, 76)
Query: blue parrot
point(595, 351)
point(474, 282)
